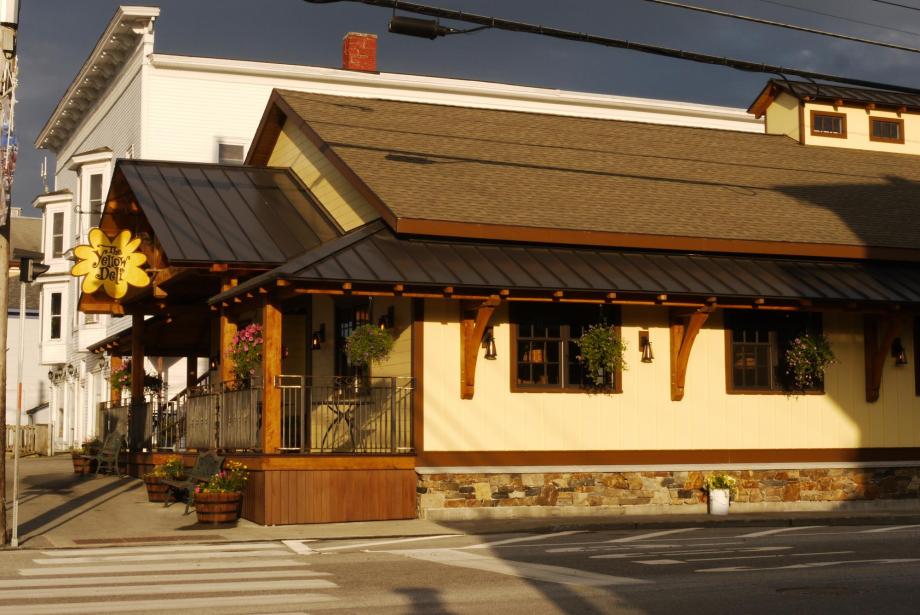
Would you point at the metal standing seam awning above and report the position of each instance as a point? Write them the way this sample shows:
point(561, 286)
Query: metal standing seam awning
point(373, 254)
point(207, 213)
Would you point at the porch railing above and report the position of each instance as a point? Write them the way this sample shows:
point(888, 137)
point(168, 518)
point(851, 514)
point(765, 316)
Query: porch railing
point(240, 415)
point(113, 418)
point(317, 415)
point(33, 439)
point(359, 416)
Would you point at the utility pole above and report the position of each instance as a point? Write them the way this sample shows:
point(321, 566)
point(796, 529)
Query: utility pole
point(9, 23)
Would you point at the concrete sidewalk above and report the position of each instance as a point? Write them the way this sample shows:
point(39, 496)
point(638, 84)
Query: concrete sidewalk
point(61, 509)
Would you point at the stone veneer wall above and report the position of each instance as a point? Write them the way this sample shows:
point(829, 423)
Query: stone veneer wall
point(622, 489)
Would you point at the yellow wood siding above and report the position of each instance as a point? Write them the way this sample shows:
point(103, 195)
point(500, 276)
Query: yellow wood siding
point(858, 129)
point(399, 363)
point(341, 200)
point(643, 416)
point(782, 117)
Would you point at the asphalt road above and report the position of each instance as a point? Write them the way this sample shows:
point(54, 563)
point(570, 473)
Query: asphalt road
point(810, 570)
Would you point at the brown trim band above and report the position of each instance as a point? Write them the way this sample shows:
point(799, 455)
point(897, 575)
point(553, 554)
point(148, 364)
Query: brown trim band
point(504, 232)
point(645, 457)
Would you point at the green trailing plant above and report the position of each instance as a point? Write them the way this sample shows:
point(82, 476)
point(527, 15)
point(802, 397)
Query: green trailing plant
point(368, 344)
point(807, 357)
point(601, 351)
point(721, 481)
point(121, 379)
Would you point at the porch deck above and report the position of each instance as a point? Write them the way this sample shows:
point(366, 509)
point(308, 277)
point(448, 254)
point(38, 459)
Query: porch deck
point(347, 447)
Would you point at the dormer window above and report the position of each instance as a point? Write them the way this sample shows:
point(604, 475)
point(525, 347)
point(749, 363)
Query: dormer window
point(827, 124)
point(887, 130)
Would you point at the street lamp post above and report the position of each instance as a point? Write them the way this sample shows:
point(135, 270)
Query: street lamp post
point(28, 271)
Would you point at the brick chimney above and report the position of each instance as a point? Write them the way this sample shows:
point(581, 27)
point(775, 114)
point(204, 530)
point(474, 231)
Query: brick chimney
point(359, 52)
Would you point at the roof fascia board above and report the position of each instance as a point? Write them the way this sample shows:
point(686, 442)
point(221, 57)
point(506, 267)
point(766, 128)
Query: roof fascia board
point(123, 15)
point(49, 199)
point(497, 232)
point(79, 160)
point(476, 94)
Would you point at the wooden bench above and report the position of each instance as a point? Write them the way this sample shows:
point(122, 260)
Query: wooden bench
point(206, 465)
point(108, 454)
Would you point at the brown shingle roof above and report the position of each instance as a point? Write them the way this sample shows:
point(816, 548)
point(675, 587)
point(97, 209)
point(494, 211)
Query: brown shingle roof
point(488, 167)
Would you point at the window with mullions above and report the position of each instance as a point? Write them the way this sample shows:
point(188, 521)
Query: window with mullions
point(886, 130)
point(756, 344)
point(347, 319)
point(95, 199)
point(545, 352)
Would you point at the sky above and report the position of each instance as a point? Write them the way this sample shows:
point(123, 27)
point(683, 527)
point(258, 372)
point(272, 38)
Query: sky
point(56, 36)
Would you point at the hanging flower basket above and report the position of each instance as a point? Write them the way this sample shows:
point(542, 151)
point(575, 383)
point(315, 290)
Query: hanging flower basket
point(807, 357)
point(601, 351)
point(368, 344)
point(245, 353)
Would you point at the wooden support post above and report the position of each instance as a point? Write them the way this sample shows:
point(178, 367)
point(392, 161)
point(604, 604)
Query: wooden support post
point(114, 392)
point(137, 358)
point(227, 331)
point(879, 334)
point(473, 322)
point(271, 367)
point(684, 328)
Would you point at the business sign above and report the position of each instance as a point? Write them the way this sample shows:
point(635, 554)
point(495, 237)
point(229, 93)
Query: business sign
point(110, 263)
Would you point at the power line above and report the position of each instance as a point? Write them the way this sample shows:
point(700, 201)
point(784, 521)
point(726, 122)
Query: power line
point(832, 16)
point(900, 6)
point(780, 24)
point(517, 26)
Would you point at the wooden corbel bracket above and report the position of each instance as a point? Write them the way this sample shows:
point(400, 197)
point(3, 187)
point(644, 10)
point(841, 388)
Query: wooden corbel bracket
point(474, 318)
point(684, 328)
point(879, 334)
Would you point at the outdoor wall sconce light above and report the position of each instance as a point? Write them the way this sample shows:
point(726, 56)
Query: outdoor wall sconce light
point(319, 336)
point(212, 364)
point(488, 342)
point(71, 371)
point(387, 319)
point(51, 375)
point(898, 352)
point(645, 345)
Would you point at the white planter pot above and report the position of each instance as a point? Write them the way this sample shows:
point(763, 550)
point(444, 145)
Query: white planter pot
point(718, 501)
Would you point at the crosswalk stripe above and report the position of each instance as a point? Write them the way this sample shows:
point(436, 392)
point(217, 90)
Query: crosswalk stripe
point(162, 556)
point(157, 578)
point(779, 530)
point(167, 604)
point(174, 588)
point(650, 535)
point(167, 567)
point(243, 546)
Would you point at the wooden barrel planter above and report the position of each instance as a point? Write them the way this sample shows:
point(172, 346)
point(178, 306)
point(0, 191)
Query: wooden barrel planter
point(218, 507)
point(156, 491)
point(81, 465)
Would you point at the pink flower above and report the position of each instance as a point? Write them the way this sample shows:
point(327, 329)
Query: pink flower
point(259, 341)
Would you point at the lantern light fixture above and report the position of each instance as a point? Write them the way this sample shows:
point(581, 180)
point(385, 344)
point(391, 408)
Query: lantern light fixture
point(488, 342)
point(898, 352)
point(645, 345)
point(319, 337)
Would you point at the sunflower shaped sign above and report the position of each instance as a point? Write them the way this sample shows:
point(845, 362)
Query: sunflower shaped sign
point(110, 263)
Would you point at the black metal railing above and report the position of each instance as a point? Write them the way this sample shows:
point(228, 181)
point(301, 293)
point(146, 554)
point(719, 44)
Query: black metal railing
point(359, 415)
point(317, 415)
